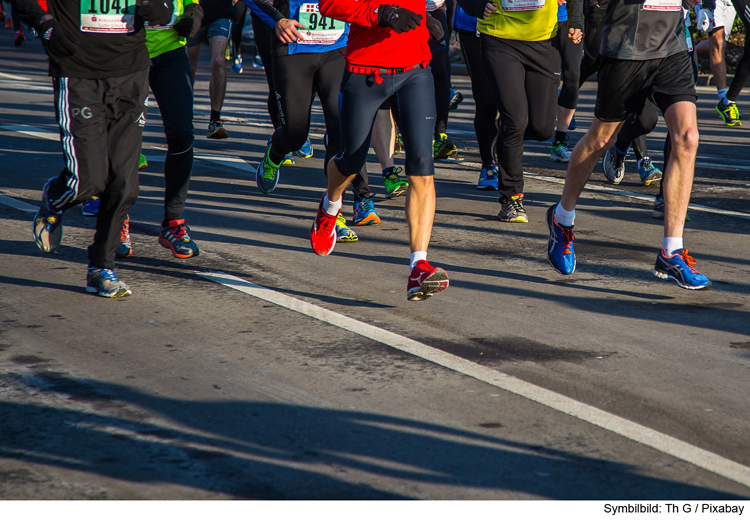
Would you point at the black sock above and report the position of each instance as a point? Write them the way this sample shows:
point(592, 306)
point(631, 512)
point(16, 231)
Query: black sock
point(215, 115)
point(560, 136)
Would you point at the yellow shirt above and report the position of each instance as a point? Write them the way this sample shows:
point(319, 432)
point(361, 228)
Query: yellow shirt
point(536, 25)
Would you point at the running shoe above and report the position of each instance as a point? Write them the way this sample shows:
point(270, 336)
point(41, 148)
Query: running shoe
point(658, 212)
point(488, 177)
point(613, 165)
point(288, 159)
point(398, 143)
point(257, 62)
point(343, 232)
point(443, 147)
point(323, 232)
point(456, 98)
point(306, 151)
point(19, 38)
point(560, 152)
point(512, 210)
point(29, 32)
point(560, 251)
point(729, 113)
point(216, 130)
point(8, 23)
point(364, 213)
point(228, 52)
point(125, 249)
point(572, 125)
point(176, 237)
point(48, 227)
point(267, 173)
point(394, 186)
point(142, 162)
point(237, 64)
point(91, 207)
point(104, 282)
point(424, 281)
point(648, 172)
point(680, 267)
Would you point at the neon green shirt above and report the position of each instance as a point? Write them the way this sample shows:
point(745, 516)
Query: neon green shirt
point(162, 39)
point(531, 25)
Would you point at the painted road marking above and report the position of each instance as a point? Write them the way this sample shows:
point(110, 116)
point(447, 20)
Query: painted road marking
point(17, 204)
point(35, 132)
point(608, 421)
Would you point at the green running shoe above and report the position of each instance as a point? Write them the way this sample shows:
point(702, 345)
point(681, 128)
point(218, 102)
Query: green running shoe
point(394, 186)
point(443, 147)
point(730, 114)
point(343, 232)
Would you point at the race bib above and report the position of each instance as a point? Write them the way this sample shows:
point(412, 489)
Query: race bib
point(522, 5)
point(148, 25)
point(318, 29)
point(662, 5)
point(107, 16)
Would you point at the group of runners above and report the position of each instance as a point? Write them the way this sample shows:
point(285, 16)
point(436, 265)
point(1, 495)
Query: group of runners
point(375, 67)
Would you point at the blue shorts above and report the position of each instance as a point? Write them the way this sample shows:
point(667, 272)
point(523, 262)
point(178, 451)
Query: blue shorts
point(221, 27)
point(413, 106)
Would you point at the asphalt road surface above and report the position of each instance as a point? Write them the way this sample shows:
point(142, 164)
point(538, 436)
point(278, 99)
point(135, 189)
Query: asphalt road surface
point(260, 370)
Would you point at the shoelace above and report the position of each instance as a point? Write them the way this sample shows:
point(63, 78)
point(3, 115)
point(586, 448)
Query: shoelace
point(179, 231)
point(689, 261)
point(567, 239)
point(393, 173)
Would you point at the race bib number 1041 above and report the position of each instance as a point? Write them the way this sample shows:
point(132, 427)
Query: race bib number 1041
point(107, 16)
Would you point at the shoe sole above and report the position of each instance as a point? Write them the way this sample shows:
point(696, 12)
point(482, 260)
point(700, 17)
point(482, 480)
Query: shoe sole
point(517, 220)
point(484, 187)
point(555, 158)
point(445, 155)
point(657, 214)
point(370, 219)
point(121, 293)
point(218, 135)
point(664, 276)
point(398, 192)
point(287, 161)
point(166, 244)
point(347, 239)
point(649, 181)
point(124, 255)
point(300, 154)
point(435, 282)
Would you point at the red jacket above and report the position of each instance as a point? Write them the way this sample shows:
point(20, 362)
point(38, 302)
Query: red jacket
point(371, 45)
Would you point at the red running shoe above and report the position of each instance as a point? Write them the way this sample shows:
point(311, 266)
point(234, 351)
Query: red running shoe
point(323, 232)
point(424, 281)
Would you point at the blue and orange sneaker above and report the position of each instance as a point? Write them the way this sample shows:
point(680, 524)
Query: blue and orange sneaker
point(306, 151)
point(364, 213)
point(125, 248)
point(560, 251)
point(680, 267)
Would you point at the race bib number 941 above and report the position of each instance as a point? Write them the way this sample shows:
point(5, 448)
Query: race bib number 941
point(318, 29)
point(107, 16)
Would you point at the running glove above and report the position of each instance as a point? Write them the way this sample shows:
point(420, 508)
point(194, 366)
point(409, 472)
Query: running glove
point(190, 22)
point(399, 19)
point(157, 12)
point(435, 28)
point(56, 44)
point(705, 20)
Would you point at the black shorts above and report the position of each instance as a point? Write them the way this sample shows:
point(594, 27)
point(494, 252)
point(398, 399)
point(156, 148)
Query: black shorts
point(625, 85)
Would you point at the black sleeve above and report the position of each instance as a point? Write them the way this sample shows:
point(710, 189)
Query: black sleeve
point(28, 11)
point(575, 14)
point(473, 8)
point(267, 7)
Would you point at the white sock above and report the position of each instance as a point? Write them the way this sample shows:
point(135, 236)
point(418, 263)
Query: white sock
point(417, 256)
point(563, 217)
point(722, 95)
point(671, 244)
point(332, 208)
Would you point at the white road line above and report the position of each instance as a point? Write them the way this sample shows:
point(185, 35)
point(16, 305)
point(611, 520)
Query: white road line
point(628, 429)
point(14, 77)
point(17, 204)
point(43, 134)
point(619, 192)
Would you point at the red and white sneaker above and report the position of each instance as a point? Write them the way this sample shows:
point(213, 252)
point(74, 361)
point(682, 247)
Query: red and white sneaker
point(424, 281)
point(323, 232)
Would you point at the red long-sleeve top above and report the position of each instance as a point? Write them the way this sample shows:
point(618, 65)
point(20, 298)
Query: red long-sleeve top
point(371, 45)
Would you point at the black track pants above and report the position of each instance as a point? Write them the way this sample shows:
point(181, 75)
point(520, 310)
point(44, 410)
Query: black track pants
point(101, 124)
point(570, 55)
point(441, 72)
point(263, 33)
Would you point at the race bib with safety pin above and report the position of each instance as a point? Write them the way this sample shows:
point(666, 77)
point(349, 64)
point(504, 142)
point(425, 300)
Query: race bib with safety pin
point(318, 29)
point(521, 5)
point(662, 5)
point(107, 16)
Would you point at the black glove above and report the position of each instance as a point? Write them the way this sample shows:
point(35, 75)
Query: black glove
point(190, 21)
point(397, 18)
point(435, 28)
point(157, 12)
point(56, 44)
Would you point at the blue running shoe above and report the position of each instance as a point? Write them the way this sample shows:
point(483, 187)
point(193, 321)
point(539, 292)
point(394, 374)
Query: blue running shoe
point(648, 172)
point(680, 267)
point(257, 62)
point(48, 227)
point(488, 177)
point(560, 251)
point(658, 212)
point(91, 207)
point(306, 151)
point(267, 173)
point(364, 213)
point(343, 232)
point(288, 160)
point(104, 282)
point(237, 64)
